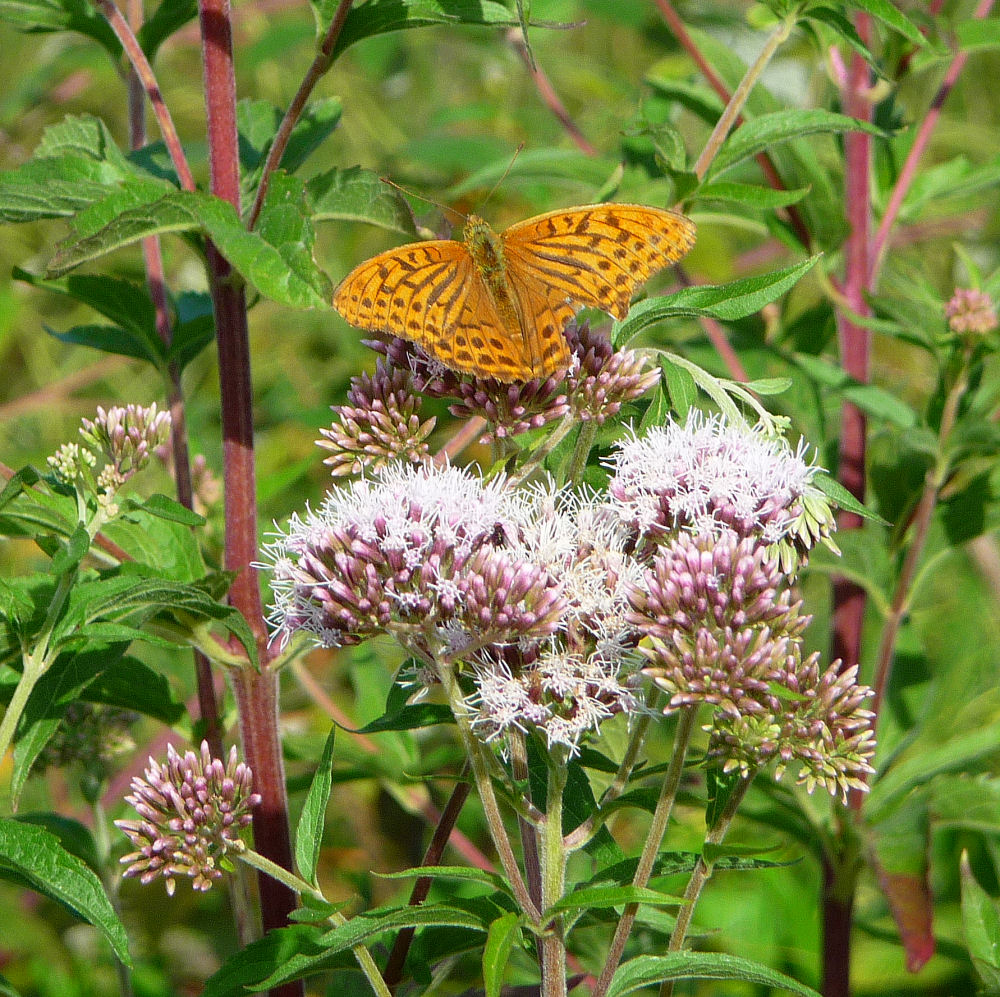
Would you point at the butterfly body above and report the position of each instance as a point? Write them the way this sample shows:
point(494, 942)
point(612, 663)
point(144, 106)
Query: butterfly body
point(495, 305)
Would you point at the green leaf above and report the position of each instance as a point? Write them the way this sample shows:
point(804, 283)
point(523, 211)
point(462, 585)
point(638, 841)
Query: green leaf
point(54, 188)
point(68, 675)
point(410, 717)
point(648, 970)
point(126, 304)
point(70, 554)
point(309, 833)
point(460, 872)
point(129, 597)
point(358, 195)
point(750, 195)
point(164, 507)
point(960, 753)
point(842, 25)
point(981, 923)
point(61, 15)
point(613, 896)
point(194, 328)
point(979, 33)
point(500, 939)
point(37, 855)
point(680, 385)
point(258, 123)
point(763, 133)
point(720, 786)
point(7, 988)
point(130, 684)
point(166, 19)
point(727, 302)
point(890, 15)
point(841, 497)
point(368, 925)
point(239, 975)
point(377, 17)
point(276, 259)
point(871, 399)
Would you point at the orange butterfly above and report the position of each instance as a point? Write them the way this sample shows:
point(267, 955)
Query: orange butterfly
point(496, 305)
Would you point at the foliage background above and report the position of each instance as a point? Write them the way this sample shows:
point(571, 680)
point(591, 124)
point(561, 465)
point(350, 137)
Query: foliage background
point(429, 108)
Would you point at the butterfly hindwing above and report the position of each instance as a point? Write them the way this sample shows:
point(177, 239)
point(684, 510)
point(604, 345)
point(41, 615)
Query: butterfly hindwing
point(597, 254)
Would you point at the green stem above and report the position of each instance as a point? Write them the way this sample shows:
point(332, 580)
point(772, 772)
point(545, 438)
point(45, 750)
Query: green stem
point(578, 838)
point(741, 95)
point(584, 443)
point(553, 944)
point(542, 451)
point(297, 885)
point(657, 830)
point(34, 669)
point(484, 784)
point(703, 872)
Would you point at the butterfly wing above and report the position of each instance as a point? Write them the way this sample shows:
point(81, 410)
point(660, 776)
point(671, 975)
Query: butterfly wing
point(431, 293)
point(543, 313)
point(597, 254)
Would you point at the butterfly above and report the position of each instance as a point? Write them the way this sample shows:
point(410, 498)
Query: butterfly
point(496, 305)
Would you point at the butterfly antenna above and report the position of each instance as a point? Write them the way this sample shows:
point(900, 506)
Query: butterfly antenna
point(422, 197)
point(510, 166)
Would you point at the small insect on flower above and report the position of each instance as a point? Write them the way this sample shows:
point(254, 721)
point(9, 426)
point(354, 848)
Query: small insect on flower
point(191, 812)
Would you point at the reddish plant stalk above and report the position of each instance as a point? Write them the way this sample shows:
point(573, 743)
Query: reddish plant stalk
point(256, 691)
point(855, 348)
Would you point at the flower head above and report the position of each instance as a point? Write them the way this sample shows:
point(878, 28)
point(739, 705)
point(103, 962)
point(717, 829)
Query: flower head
point(117, 444)
point(381, 423)
point(721, 631)
point(600, 380)
point(971, 312)
point(419, 552)
point(191, 812)
point(709, 476)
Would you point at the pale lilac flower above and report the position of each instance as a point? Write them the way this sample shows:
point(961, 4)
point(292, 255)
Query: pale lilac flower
point(125, 437)
point(418, 552)
point(191, 812)
point(380, 424)
point(709, 476)
point(116, 444)
point(601, 380)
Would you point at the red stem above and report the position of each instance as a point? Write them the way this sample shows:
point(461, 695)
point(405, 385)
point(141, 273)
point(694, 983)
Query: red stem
point(208, 707)
point(256, 692)
point(923, 137)
point(855, 349)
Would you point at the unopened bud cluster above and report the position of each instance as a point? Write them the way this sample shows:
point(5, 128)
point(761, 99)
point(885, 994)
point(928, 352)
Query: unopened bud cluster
point(971, 312)
point(116, 444)
point(191, 812)
point(381, 422)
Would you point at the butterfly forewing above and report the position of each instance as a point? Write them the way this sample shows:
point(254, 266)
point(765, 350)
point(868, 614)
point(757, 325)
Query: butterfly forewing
point(416, 291)
point(598, 254)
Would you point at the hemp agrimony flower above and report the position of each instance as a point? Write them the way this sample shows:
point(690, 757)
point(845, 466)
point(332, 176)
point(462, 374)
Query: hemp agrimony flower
point(721, 632)
point(117, 444)
point(380, 424)
point(418, 552)
point(971, 312)
point(191, 810)
point(710, 476)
